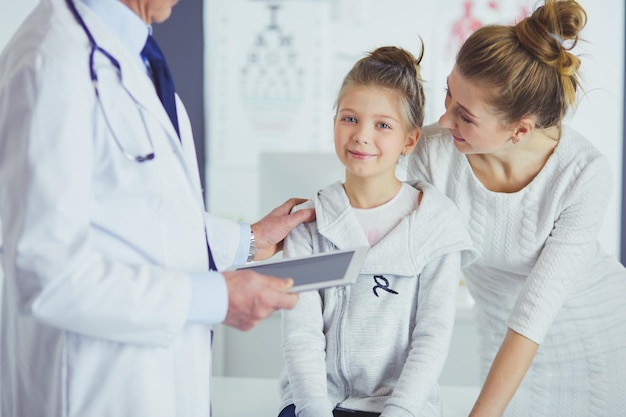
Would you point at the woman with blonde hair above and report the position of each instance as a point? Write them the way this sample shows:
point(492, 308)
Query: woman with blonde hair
point(550, 304)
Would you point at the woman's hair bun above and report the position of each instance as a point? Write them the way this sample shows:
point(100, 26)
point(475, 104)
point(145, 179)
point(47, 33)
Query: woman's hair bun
point(552, 31)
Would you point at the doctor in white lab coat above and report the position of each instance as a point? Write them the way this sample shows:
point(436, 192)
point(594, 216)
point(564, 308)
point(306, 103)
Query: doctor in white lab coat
point(108, 301)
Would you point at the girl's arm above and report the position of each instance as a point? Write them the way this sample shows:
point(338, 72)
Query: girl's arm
point(507, 371)
point(303, 339)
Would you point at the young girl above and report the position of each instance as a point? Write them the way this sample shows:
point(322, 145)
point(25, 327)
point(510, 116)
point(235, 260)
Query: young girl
point(377, 347)
point(550, 304)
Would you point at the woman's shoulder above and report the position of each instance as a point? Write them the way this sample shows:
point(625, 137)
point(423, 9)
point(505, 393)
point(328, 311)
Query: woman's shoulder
point(435, 141)
point(576, 146)
point(433, 203)
point(427, 188)
point(576, 154)
point(434, 131)
point(434, 153)
point(441, 228)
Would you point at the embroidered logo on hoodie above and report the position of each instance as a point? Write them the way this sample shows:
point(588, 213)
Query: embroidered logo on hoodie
point(383, 284)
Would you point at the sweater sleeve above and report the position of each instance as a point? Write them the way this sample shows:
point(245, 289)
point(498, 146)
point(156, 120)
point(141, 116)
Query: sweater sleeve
point(567, 252)
point(430, 342)
point(304, 342)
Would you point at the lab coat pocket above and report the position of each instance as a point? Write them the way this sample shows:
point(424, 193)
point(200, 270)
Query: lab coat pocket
point(106, 379)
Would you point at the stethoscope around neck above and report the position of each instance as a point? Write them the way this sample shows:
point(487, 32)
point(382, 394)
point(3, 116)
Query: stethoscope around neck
point(94, 79)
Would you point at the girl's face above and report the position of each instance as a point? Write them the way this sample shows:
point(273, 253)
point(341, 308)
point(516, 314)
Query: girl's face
point(472, 122)
point(370, 131)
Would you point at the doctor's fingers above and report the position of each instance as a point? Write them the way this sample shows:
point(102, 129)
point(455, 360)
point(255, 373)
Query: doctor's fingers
point(270, 231)
point(287, 206)
point(252, 297)
point(244, 316)
point(281, 220)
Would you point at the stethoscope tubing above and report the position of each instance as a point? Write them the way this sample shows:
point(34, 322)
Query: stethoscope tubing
point(94, 79)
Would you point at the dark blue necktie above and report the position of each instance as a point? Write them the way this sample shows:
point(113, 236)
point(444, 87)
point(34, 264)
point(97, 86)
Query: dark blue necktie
point(162, 78)
point(165, 89)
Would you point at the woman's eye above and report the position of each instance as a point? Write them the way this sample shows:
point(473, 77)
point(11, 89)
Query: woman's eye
point(384, 125)
point(349, 119)
point(462, 117)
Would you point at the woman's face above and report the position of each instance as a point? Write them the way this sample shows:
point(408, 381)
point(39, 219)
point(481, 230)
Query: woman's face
point(472, 122)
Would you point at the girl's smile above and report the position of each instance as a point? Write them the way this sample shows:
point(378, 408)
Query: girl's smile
point(360, 155)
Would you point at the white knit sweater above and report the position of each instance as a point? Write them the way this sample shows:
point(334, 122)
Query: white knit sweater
point(542, 273)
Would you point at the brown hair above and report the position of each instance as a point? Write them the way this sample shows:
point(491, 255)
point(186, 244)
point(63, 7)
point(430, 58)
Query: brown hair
point(528, 66)
point(395, 69)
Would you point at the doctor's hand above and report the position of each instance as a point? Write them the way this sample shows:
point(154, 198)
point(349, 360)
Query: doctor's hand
point(270, 231)
point(253, 297)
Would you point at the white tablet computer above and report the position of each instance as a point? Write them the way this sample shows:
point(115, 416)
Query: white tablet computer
point(313, 272)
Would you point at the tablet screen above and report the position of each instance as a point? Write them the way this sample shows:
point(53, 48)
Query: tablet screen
point(316, 271)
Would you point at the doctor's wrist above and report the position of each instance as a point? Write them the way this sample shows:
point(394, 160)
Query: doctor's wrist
point(252, 248)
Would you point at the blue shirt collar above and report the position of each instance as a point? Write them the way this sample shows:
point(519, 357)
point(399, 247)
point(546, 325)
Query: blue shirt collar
point(123, 22)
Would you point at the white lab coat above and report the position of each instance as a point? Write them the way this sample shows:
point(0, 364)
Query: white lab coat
point(97, 248)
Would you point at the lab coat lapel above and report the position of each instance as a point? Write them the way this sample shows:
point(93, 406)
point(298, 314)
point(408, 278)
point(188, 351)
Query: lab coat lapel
point(139, 85)
point(135, 80)
point(142, 89)
point(134, 77)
